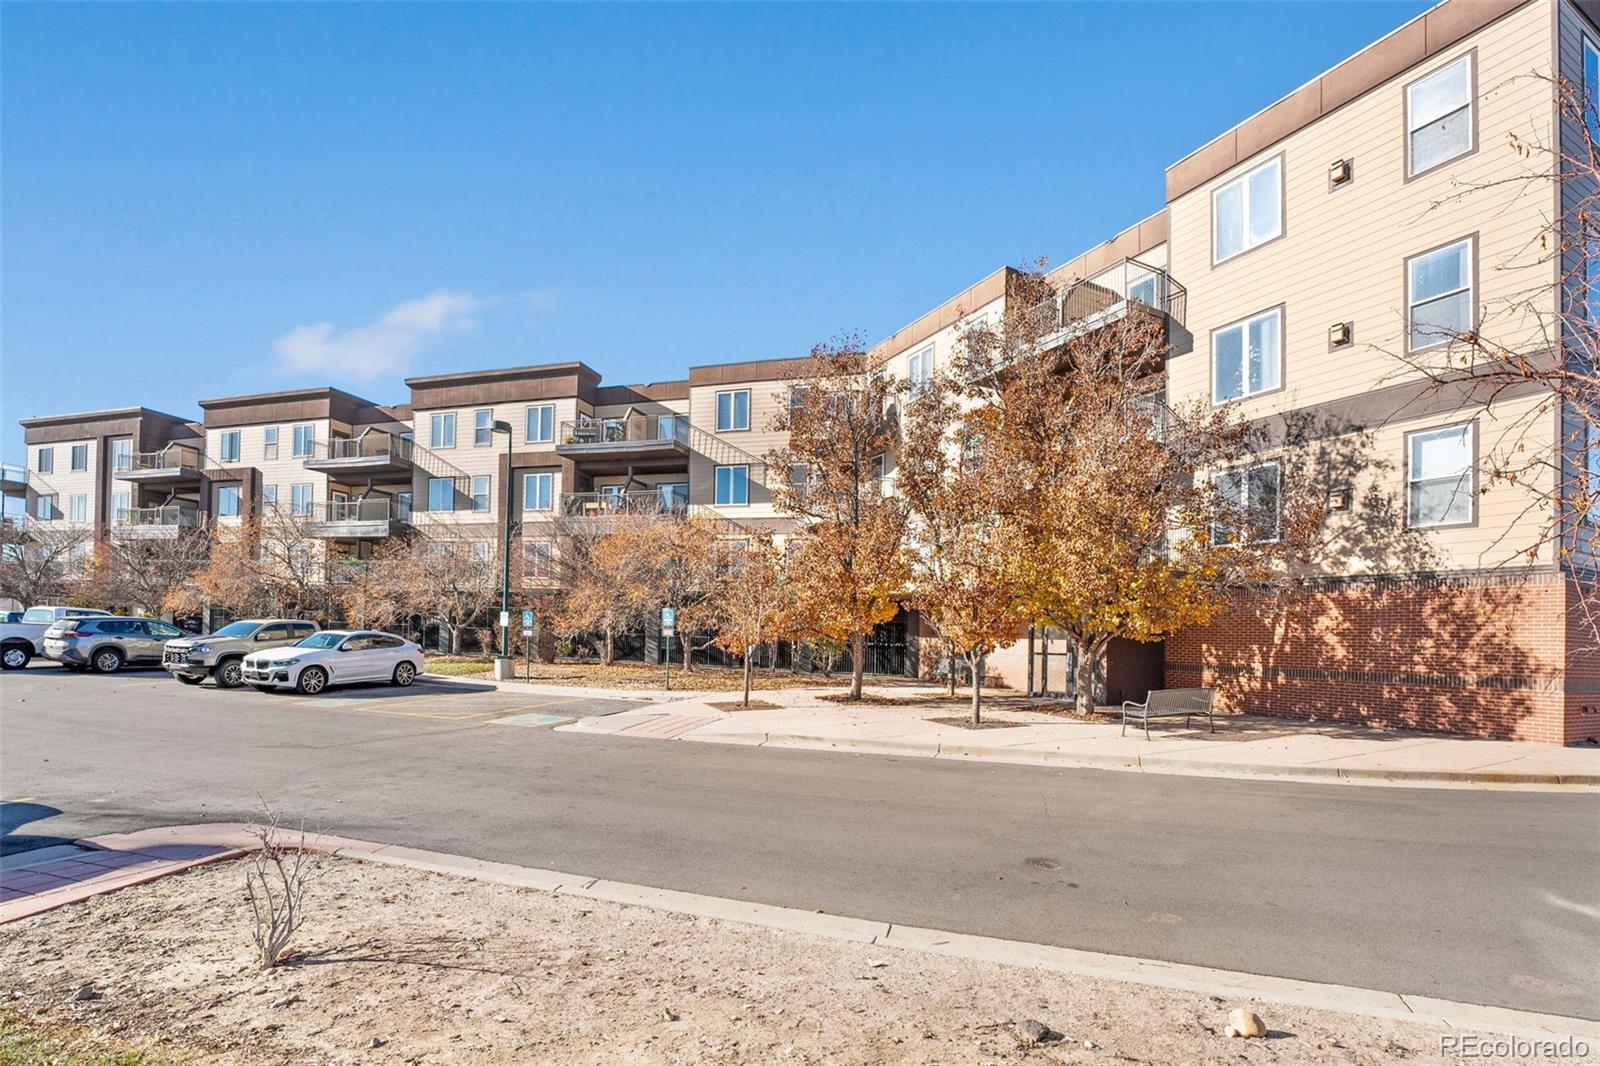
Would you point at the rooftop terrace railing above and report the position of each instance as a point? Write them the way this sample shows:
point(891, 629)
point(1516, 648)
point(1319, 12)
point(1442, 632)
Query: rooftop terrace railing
point(626, 429)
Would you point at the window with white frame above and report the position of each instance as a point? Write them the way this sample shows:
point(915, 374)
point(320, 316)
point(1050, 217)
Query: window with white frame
point(482, 428)
point(305, 438)
point(228, 446)
point(269, 442)
point(122, 453)
point(1439, 116)
point(269, 499)
point(480, 492)
point(45, 461)
point(301, 498)
point(44, 507)
point(1248, 211)
point(541, 423)
point(441, 494)
point(539, 559)
point(120, 502)
point(733, 410)
point(1250, 501)
point(78, 508)
point(1247, 357)
point(1591, 87)
point(80, 457)
point(538, 491)
point(919, 369)
point(1439, 476)
point(442, 430)
point(483, 550)
point(732, 486)
point(1439, 295)
point(228, 501)
point(1591, 473)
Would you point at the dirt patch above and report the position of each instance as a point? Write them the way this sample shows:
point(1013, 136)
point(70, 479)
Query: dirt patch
point(968, 723)
point(639, 675)
point(411, 967)
point(872, 699)
point(753, 705)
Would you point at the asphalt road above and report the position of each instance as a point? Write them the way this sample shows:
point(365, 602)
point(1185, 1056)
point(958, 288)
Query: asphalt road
point(1486, 897)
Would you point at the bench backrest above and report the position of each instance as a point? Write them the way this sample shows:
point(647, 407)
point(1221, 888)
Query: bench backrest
point(1181, 699)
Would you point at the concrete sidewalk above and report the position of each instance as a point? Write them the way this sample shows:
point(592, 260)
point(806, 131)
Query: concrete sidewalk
point(1242, 746)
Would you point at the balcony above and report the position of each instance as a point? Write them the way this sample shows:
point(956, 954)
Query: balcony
point(367, 519)
point(174, 463)
point(166, 522)
point(663, 501)
point(632, 438)
point(13, 479)
point(1128, 287)
point(373, 454)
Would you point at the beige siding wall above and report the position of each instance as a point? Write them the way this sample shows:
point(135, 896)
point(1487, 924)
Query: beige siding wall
point(284, 472)
point(1574, 32)
point(473, 460)
point(736, 447)
point(1342, 259)
point(64, 482)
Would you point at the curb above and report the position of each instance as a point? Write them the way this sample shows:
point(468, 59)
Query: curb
point(1150, 972)
point(1160, 764)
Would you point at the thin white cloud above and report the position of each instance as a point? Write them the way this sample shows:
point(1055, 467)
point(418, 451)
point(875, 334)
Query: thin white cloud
point(542, 299)
point(383, 345)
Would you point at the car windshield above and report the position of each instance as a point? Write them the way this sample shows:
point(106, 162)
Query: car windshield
point(236, 629)
point(321, 640)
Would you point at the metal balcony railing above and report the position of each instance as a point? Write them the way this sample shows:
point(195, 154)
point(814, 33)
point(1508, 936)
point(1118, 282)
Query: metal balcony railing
point(371, 509)
point(13, 474)
point(167, 516)
point(648, 502)
point(1112, 293)
point(626, 429)
point(174, 457)
point(374, 444)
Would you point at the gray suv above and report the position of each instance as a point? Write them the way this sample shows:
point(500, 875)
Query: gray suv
point(219, 655)
point(107, 644)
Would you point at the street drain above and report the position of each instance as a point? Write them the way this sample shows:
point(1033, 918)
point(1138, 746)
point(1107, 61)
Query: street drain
point(1044, 864)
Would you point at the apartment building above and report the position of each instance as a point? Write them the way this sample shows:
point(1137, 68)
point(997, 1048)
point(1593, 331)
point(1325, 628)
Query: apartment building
point(1309, 265)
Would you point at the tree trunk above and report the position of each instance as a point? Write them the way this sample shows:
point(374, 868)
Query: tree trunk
point(1088, 658)
point(747, 670)
point(688, 658)
point(951, 656)
point(858, 663)
point(977, 688)
point(455, 641)
point(607, 649)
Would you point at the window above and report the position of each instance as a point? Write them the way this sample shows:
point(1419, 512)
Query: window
point(304, 437)
point(480, 492)
point(482, 429)
point(269, 442)
point(80, 457)
point(1439, 477)
point(300, 499)
point(1591, 88)
point(122, 454)
point(797, 397)
point(673, 427)
point(537, 491)
point(402, 506)
point(1591, 473)
point(1439, 295)
point(44, 507)
point(1439, 117)
point(541, 423)
point(919, 369)
point(733, 410)
point(228, 446)
point(1246, 357)
point(441, 493)
point(733, 486)
point(1250, 496)
point(228, 501)
point(1248, 211)
point(880, 466)
point(162, 631)
point(442, 430)
point(269, 498)
point(483, 550)
point(45, 463)
point(120, 502)
point(539, 559)
point(78, 508)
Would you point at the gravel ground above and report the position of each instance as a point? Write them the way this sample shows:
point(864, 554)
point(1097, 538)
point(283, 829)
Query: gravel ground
point(404, 966)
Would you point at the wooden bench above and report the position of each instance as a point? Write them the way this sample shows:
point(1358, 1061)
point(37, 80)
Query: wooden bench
point(1169, 703)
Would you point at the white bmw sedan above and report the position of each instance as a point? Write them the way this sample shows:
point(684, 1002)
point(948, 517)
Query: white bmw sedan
point(335, 657)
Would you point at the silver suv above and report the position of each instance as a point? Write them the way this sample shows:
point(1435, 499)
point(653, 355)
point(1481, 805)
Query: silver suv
point(218, 655)
point(107, 644)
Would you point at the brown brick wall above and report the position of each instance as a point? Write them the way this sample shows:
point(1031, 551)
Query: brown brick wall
point(1494, 655)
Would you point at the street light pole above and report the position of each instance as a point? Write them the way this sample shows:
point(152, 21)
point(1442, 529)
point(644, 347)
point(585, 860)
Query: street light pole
point(502, 666)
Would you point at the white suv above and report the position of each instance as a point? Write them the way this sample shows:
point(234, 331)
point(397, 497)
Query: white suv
point(335, 657)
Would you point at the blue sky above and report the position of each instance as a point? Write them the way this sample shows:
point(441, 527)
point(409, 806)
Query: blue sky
point(205, 200)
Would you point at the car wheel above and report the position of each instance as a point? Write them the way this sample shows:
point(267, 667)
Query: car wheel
point(187, 680)
point(404, 673)
point(313, 679)
point(107, 661)
point(15, 657)
point(229, 673)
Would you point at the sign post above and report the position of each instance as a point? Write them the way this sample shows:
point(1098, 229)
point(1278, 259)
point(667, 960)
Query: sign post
point(669, 626)
point(527, 642)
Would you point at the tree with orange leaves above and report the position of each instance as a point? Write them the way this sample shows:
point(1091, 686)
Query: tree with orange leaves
point(754, 601)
